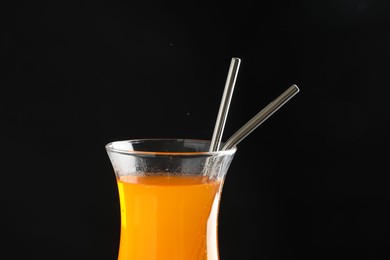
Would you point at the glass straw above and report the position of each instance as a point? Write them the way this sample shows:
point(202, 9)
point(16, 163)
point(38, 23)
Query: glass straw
point(225, 104)
point(263, 115)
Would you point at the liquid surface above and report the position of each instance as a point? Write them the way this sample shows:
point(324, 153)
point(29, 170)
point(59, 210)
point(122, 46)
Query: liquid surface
point(172, 218)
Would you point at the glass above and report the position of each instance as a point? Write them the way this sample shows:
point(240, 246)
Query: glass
point(169, 192)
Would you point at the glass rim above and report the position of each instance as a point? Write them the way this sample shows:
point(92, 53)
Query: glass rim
point(109, 147)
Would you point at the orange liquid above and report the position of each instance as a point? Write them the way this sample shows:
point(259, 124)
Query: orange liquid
point(172, 218)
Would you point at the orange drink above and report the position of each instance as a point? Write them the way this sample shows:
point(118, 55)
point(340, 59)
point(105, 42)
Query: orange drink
point(168, 217)
point(169, 192)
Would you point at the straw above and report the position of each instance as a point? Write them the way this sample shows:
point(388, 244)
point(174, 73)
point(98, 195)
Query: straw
point(225, 104)
point(258, 119)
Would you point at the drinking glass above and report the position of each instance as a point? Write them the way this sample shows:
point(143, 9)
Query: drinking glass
point(169, 193)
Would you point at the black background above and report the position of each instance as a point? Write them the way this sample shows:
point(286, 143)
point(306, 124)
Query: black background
point(311, 182)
